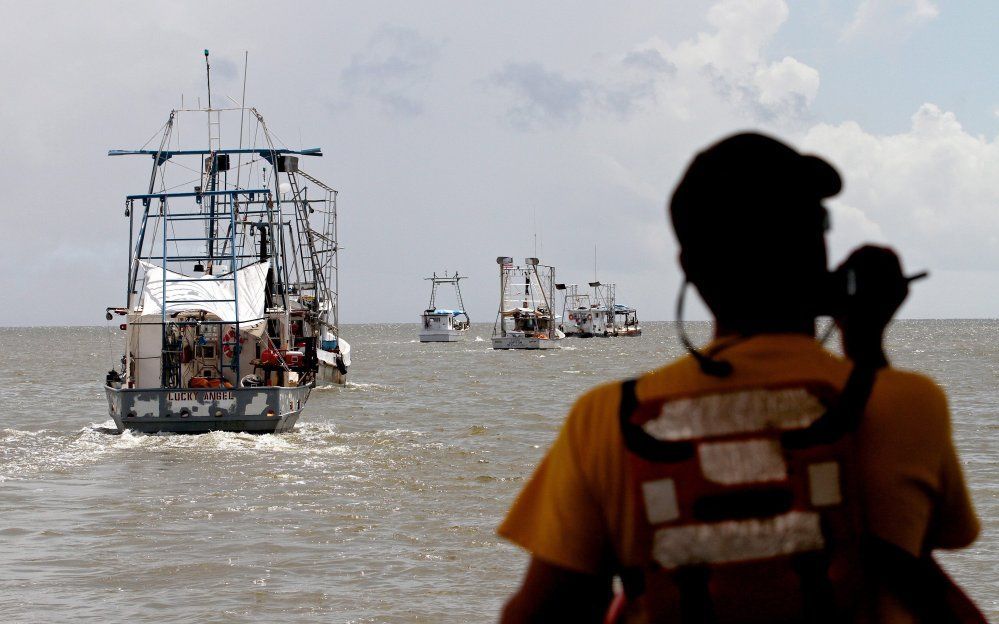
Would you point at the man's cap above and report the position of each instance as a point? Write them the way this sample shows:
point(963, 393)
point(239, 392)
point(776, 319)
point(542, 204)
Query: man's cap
point(750, 183)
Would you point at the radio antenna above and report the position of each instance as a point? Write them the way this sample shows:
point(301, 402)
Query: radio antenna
point(208, 73)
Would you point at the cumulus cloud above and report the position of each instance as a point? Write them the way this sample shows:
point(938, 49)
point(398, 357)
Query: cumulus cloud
point(931, 190)
point(731, 57)
point(726, 63)
point(391, 70)
point(787, 86)
point(889, 18)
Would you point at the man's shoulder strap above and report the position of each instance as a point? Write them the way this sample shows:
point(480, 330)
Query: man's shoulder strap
point(638, 441)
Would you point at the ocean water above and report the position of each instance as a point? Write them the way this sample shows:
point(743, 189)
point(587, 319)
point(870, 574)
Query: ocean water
point(380, 507)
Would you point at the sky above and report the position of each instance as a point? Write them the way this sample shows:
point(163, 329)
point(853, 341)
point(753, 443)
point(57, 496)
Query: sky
point(457, 132)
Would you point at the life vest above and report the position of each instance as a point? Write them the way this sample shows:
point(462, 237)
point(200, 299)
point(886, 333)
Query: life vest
point(746, 504)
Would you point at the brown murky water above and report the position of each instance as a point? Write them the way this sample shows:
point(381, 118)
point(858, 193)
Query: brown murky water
point(380, 507)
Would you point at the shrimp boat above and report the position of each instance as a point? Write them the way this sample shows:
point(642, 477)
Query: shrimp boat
point(586, 316)
point(231, 301)
point(599, 315)
point(525, 319)
point(610, 317)
point(575, 307)
point(442, 325)
point(626, 321)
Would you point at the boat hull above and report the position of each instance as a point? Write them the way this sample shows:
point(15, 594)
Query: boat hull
point(525, 342)
point(329, 374)
point(184, 410)
point(451, 335)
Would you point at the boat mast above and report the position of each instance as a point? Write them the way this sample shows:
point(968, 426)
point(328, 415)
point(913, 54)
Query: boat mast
point(505, 263)
point(457, 289)
point(433, 290)
point(214, 140)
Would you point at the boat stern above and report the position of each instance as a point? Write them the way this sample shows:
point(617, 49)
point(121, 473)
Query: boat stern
point(267, 409)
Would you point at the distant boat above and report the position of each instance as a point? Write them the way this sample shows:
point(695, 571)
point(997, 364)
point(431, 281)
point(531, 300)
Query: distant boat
point(441, 325)
point(626, 321)
point(599, 315)
point(231, 296)
point(575, 309)
point(526, 318)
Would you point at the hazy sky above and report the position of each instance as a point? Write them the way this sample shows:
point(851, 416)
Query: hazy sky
point(451, 128)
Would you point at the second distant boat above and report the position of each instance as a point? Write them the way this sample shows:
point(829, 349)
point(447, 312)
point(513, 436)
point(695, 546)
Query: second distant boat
point(526, 317)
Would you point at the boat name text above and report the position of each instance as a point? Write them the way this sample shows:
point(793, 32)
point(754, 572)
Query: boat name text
point(211, 395)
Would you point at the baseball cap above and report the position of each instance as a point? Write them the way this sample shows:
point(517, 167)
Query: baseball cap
point(751, 184)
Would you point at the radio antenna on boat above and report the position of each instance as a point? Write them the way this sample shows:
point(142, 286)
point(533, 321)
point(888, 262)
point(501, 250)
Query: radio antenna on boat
point(208, 74)
point(242, 111)
point(535, 210)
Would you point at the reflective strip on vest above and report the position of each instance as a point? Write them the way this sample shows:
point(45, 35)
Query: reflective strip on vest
point(731, 413)
point(823, 484)
point(737, 540)
point(749, 461)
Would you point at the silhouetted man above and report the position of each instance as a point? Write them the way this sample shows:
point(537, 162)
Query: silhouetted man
point(765, 479)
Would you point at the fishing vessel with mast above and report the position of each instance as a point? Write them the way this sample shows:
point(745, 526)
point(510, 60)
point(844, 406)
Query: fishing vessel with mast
point(526, 317)
point(586, 316)
point(442, 324)
point(575, 307)
point(231, 307)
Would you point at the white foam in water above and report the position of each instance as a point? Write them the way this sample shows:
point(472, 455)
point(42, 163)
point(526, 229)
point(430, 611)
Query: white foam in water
point(357, 385)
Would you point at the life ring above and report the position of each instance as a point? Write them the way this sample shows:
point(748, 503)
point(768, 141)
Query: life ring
point(227, 342)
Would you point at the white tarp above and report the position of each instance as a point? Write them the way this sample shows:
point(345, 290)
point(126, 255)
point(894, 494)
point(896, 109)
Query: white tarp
point(328, 357)
point(212, 294)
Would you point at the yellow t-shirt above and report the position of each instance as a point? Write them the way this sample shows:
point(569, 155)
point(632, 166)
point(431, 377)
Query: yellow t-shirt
point(575, 511)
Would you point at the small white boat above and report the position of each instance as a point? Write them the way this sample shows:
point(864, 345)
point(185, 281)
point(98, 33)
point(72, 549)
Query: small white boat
point(443, 325)
point(525, 319)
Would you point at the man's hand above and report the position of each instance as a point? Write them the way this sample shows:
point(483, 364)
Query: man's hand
point(870, 287)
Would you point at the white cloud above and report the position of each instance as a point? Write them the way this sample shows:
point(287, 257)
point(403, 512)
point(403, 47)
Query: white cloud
point(741, 30)
point(889, 18)
point(725, 66)
point(932, 190)
point(786, 81)
point(732, 58)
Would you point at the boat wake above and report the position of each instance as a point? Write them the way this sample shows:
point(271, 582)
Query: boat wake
point(41, 454)
point(365, 387)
